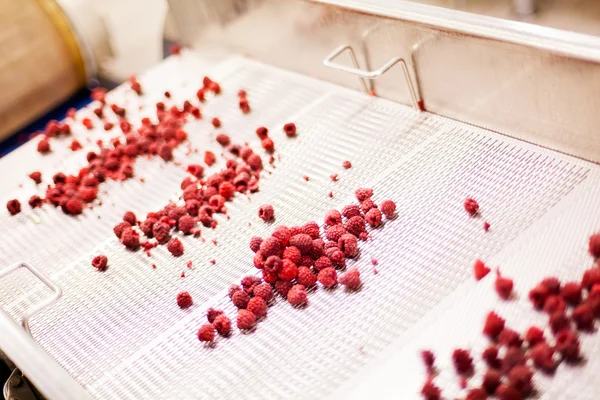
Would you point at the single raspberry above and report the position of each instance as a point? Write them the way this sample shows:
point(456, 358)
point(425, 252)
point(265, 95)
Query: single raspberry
point(186, 224)
point(491, 380)
point(306, 277)
point(541, 355)
point(337, 257)
point(283, 234)
point(471, 207)
point(567, 344)
point(311, 229)
point(268, 144)
point(351, 278)
point(493, 326)
point(196, 170)
point(355, 225)
point(504, 286)
point(184, 299)
point(212, 314)
point(552, 284)
point(476, 394)
point(223, 139)
point(100, 262)
point(283, 287)
point(430, 391)
point(161, 231)
point(335, 232)
point(554, 304)
point(480, 270)
point(255, 162)
point(348, 244)
point(264, 291)
point(490, 356)
point(258, 260)
point(266, 212)
point(249, 281)
point(317, 248)
point(35, 201)
point(327, 277)
point(303, 242)
point(507, 392)
point(590, 278)
point(43, 146)
point(290, 129)
point(245, 319)
point(347, 164)
point(510, 338)
point(222, 324)
point(571, 293)
point(538, 296)
point(74, 206)
point(334, 177)
point(297, 295)
point(13, 206)
point(350, 211)
point(255, 243)
point(293, 254)
point(242, 93)
point(119, 228)
point(333, 217)
point(388, 208)
point(594, 245)
point(463, 363)
point(322, 263)
point(373, 217)
point(520, 377)
point(36, 176)
point(240, 299)
point(273, 265)
point(363, 194)
point(583, 315)
point(232, 289)
point(428, 359)
point(130, 217)
point(206, 333)
point(559, 321)
point(175, 247)
point(227, 190)
point(288, 271)
point(216, 122)
point(257, 306)
point(209, 158)
point(262, 132)
point(130, 238)
point(368, 205)
point(270, 247)
point(534, 335)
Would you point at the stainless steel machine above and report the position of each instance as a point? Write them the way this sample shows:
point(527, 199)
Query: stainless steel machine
point(430, 105)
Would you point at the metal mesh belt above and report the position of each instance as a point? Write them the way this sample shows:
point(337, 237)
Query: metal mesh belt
point(120, 332)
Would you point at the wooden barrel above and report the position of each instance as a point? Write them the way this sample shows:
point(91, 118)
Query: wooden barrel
point(41, 64)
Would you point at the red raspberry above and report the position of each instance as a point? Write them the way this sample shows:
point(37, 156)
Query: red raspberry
point(363, 194)
point(13, 207)
point(184, 299)
point(583, 315)
point(333, 217)
point(311, 229)
point(232, 290)
point(476, 394)
point(334, 177)
point(351, 278)
point(428, 359)
point(166, 152)
point(463, 363)
point(289, 129)
point(293, 254)
point(594, 245)
point(558, 322)
point(209, 158)
point(520, 377)
point(368, 205)
point(335, 232)
point(186, 224)
point(175, 247)
point(337, 257)
point(266, 212)
point(538, 296)
point(493, 326)
point(510, 338)
point(348, 244)
point(262, 132)
point(504, 286)
point(306, 277)
point(270, 247)
point(255, 162)
point(259, 260)
point(567, 344)
point(373, 217)
point(571, 293)
point(227, 190)
point(355, 225)
point(263, 291)
point(347, 164)
point(554, 304)
point(430, 391)
point(35, 201)
point(471, 207)
point(43, 146)
point(242, 93)
point(240, 299)
point(119, 228)
point(212, 314)
point(590, 278)
point(541, 355)
point(534, 335)
point(283, 287)
point(74, 206)
point(216, 122)
point(507, 392)
point(161, 231)
point(490, 356)
point(222, 324)
point(303, 242)
point(196, 170)
point(317, 248)
point(350, 211)
point(217, 201)
point(223, 139)
point(327, 277)
point(100, 262)
point(273, 265)
point(255, 243)
point(268, 144)
point(491, 380)
point(283, 234)
point(36, 176)
point(206, 333)
point(288, 271)
point(323, 262)
point(257, 306)
point(249, 281)
point(480, 270)
point(130, 217)
point(297, 295)
point(307, 261)
point(130, 238)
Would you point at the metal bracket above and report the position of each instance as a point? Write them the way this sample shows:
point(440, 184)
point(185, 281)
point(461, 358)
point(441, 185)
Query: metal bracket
point(328, 62)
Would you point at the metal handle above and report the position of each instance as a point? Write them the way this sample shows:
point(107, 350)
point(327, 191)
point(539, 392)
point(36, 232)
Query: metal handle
point(328, 62)
point(42, 304)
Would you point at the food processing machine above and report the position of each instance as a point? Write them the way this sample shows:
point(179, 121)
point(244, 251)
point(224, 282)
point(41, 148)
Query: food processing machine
point(430, 105)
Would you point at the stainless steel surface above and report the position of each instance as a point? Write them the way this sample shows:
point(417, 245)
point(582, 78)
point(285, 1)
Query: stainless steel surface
point(533, 83)
point(119, 333)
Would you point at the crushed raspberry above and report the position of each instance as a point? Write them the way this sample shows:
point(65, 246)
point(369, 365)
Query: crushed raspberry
point(493, 326)
point(480, 270)
point(100, 262)
point(333, 177)
point(75, 145)
point(541, 354)
point(130, 238)
point(491, 380)
point(347, 164)
point(538, 296)
point(161, 231)
point(306, 178)
point(290, 129)
point(554, 304)
point(327, 277)
point(486, 226)
point(594, 245)
point(13, 206)
point(571, 293)
point(206, 333)
point(351, 278)
point(175, 247)
point(257, 306)
point(266, 212)
point(534, 335)
point(355, 225)
point(504, 286)
point(559, 321)
point(223, 139)
point(463, 363)
point(583, 316)
point(348, 244)
point(245, 319)
point(264, 291)
point(297, 295)
point(567, 344)
point(184, 299)
point(429, 391)
point(222, 324)
point(240, 299)
point(471, 207)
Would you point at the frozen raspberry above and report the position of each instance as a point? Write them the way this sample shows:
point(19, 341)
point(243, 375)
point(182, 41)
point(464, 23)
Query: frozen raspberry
point(306, 277)
point(538, 296)
point(322, 263)
point(431, 392)
point(184, 299)
point(554, 304)
point(209, 158)
point(355, 225)
point(283, 234)
point(463, 363)
point(583, 315)
point(388, 208)
point(73, 206)
point(571, 293)
point(232, 289)
point(270, 247)
point(245, 319)
point(130, 238)
point(36, 177)
point(216, 122)
point(255, 243)
point(351, 278)
point(263, 291)
point(262, 132)
point(273, 265)
point(222, 324)
point(590, 278)
point(490, 356)
point(520, 377)
point(255, 162)
point(367, 206)
point(257, 306)
point(363, 194)
point(507, 392)
point(567, 344)
point(290, 129)
point(302, 242)
point(130, 218)
point(100, 262)
point(266, 212)
point(327, 277)
point(476, 394)
point(373, 217)
point(119, 228)
point(311, 229)
point(258, 260)
point(335, 232)
point(223, 139)
point(161, 231)
point(333, 217)
point(206, 333)
point(227, 190)
point(428, 359)
point(268, 144)
point(510, 338)
point(283, 287)
point(293, 254)
point(541, 355)
point(594, 245)
point(504, 286)
point(559, 321)
point(337, 257)
point(211, 314)
point(297, 295)
point(240, 299)
point(348, 244)
point(334, 177)
point(288, 271)
point(13, 206)
point(491, 380)
point(175, 247)
point(534, 335)
point(43, 146)
point(186, 224)
point(35, 201)
point(351, 211)
point(249, 281)
point(196, 170)
point(471, 207)
point(347, 164)
point(494, 324)
point(480, 270)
